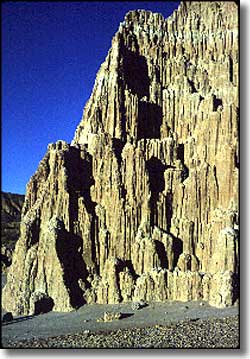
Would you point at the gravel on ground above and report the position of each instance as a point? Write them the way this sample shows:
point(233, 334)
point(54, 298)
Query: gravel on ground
point(193, 333)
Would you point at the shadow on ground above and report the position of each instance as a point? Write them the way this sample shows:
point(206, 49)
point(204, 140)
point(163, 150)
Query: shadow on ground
point(19, 319)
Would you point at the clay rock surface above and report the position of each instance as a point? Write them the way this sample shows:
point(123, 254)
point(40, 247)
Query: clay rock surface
point(143, 204)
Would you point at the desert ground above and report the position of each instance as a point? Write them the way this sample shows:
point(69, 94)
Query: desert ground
point(157, 325)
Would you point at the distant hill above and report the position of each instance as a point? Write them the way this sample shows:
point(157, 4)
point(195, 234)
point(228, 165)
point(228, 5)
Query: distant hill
point(11, 206)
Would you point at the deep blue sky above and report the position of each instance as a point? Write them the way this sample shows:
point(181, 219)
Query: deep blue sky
point(51, 52)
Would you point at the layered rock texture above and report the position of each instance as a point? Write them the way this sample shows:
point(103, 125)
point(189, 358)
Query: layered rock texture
point(143, 204)
point(11, 206)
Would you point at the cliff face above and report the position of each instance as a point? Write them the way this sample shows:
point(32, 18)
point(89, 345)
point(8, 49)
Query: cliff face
point(11, 206)
point(144, 202)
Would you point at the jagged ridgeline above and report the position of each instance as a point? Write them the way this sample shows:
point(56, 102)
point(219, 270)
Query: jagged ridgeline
point(143, 204)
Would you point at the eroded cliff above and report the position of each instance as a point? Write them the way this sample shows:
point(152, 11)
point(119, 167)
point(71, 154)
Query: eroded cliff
point(143, 204)
point(11, 206)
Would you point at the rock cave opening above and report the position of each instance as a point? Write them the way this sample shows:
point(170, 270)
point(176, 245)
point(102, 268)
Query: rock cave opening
point(149, 120)
point(117, 146)
point(181, 157)
point(155, 170)
point(136, 73)
point(216, 103)
point(177, 249)
point(43, 305)
point(35, 232)
point(69, 249)
point(161, 251)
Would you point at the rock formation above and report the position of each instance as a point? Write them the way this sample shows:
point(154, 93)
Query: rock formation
point(143, 204)
point(11, 206)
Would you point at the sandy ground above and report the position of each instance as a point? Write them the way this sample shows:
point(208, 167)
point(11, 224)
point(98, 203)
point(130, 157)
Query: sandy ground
point(85, 319)
point(54, 324)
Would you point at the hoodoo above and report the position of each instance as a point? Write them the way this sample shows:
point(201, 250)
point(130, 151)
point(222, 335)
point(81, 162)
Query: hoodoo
point(143, 204)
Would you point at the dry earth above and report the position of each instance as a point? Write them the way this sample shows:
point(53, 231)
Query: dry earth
point(159, 325)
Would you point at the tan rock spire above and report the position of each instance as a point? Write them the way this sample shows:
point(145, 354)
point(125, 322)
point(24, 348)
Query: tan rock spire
point(144, 202)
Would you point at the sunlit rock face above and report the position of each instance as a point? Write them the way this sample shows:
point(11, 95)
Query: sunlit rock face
point(143, 204)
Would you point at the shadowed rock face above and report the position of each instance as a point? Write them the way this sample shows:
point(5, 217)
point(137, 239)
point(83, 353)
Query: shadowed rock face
point(11, 206)
point(143, 205)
